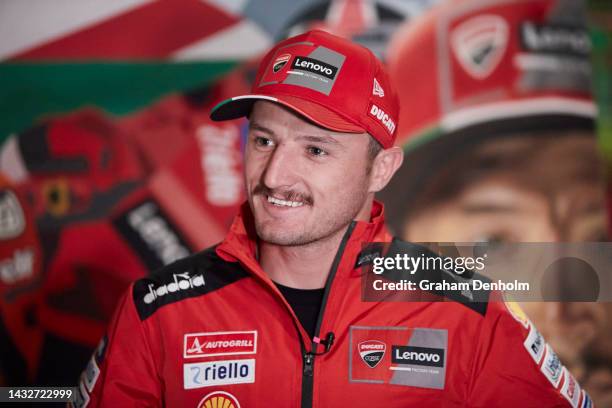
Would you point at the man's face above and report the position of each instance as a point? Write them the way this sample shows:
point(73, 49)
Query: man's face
point(553, 197)
point(304, 183)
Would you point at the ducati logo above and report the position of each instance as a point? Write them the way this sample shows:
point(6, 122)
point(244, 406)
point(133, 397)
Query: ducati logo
point(479, 44)
point(280, 62)
point(377, 89)
point(372, 352)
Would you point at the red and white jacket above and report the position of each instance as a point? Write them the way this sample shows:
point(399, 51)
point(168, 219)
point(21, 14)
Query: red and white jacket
point(212, 330)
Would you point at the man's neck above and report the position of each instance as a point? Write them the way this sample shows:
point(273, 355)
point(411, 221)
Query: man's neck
point(303, 267)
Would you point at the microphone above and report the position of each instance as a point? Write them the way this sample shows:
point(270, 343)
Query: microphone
point(328, 342)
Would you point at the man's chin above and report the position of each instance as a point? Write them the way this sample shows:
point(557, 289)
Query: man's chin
point(281, 239)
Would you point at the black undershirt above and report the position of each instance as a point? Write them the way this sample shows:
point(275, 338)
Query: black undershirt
point(306, 304)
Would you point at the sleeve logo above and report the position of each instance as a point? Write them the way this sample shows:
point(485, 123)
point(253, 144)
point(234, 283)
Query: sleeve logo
point(552, 367)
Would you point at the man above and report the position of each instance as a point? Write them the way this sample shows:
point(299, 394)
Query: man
point(273, 314)
point(498, 123)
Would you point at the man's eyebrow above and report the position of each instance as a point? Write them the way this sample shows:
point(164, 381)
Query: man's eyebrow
point(320, 139)
point(263, 129)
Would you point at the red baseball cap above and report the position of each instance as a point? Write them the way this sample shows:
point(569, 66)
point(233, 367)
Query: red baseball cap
point(333, 82)
point(468, 63)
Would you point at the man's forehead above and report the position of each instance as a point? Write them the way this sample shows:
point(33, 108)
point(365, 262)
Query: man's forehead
point(273, 118)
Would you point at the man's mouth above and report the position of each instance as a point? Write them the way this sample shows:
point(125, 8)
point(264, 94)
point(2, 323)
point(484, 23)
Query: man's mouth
point(284, 203)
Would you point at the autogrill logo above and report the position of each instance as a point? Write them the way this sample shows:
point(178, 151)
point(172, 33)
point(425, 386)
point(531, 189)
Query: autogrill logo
point(424, 356)
point(197, 347)
point(315, 66)
point(220, 343)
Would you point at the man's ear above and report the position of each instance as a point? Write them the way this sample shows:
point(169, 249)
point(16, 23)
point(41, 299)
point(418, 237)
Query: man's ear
point(384, 167)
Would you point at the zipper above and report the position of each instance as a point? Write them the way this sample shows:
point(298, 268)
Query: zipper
point(308, 357)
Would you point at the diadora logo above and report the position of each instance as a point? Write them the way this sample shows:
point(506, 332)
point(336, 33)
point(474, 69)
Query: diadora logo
point(315, 66)
point(197, 345)
point(182, 281)
point(372, 352)
point(425, 356)
point(480, 43)
point(219, 399)
point(377, 89)
point(280, 62)
point(215, 373)
point(383, 118)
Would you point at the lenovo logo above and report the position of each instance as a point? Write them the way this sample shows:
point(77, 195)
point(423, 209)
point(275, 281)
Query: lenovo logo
point(424, 356)
point(314, 66)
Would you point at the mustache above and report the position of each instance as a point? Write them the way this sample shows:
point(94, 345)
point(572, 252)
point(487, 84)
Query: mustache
point(283, 194)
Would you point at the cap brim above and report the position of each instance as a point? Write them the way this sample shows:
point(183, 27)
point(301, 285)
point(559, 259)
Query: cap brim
point(240, 106)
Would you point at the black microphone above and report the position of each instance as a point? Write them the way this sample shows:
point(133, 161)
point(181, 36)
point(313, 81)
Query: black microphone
point(329, 340)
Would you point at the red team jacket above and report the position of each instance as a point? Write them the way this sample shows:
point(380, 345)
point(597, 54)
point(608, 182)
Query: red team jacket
point(212, 330)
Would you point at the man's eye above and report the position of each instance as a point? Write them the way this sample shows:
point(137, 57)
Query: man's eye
point(263, 141)
point(315, 151)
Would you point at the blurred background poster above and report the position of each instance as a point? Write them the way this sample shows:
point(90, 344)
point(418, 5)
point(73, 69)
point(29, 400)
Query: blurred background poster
point(110, 167)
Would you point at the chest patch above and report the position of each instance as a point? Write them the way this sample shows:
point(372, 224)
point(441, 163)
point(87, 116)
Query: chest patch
point(414, 357)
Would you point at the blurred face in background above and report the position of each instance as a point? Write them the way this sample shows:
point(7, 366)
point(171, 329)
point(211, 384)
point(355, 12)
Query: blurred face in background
point(518, 189)
point(526, 188)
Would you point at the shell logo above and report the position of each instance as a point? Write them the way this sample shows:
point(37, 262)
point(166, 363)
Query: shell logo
point(219, 399)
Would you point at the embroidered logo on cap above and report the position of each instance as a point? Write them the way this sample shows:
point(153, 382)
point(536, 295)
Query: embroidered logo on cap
point(313, 68)
point(280, 62)
point(479, 44)
point(383, 118)
point(377, 89)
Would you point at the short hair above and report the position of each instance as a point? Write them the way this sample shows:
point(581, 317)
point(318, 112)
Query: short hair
point(374, 147)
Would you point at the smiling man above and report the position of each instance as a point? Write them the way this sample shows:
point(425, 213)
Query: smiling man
point(273, 315)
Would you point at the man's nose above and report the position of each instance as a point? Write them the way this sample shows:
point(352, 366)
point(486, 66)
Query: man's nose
point(279, 171)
